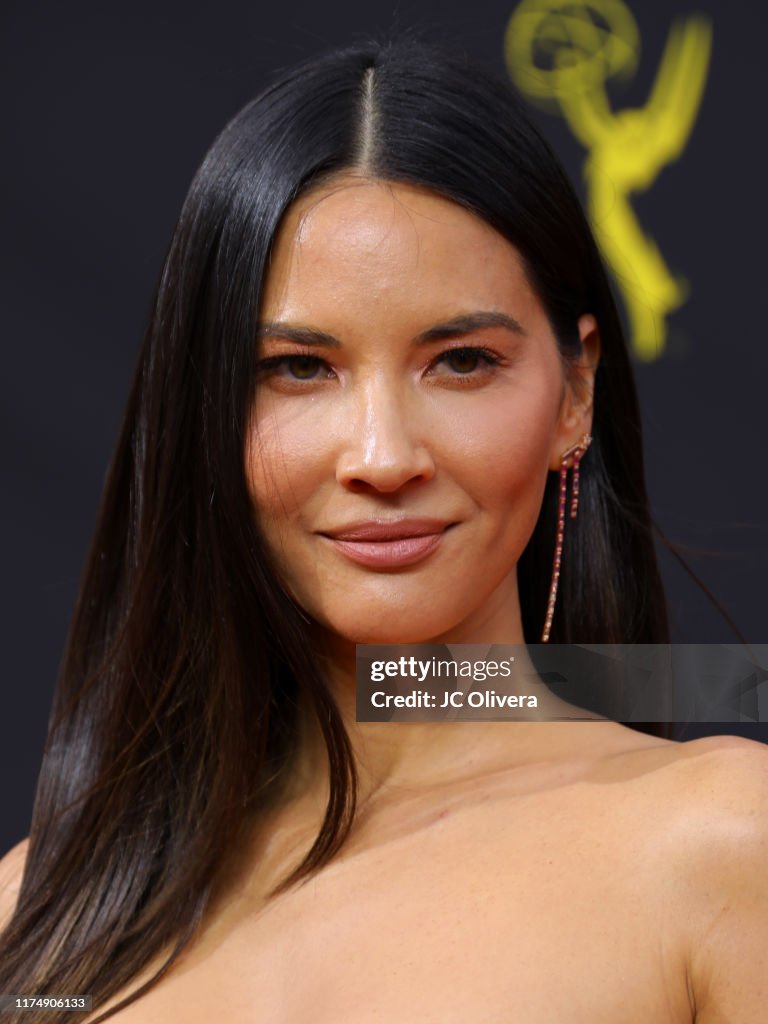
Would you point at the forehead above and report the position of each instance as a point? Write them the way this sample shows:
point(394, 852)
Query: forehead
point(358, 240)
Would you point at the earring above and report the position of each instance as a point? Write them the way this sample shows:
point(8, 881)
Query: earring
point(568, 460)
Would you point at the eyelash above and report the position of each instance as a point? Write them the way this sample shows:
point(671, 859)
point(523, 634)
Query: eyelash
point(485, 356)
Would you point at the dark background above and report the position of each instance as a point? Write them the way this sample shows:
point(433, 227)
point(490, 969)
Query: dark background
point(106, 112)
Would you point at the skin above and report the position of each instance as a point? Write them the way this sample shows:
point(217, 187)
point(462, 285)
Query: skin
point(389, 426)
point(496, 872)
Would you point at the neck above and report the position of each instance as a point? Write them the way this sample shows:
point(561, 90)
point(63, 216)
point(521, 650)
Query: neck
point(392, 756)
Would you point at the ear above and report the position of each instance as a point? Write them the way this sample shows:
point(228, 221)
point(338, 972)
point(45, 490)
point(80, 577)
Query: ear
point(575, 418)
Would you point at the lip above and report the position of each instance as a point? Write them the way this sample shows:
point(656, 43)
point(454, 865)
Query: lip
point(388, 544)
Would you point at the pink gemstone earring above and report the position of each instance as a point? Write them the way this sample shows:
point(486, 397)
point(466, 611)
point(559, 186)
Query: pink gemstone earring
point(568, 460)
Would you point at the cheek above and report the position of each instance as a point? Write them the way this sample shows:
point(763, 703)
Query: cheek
point(504, 446)
point(286, 459)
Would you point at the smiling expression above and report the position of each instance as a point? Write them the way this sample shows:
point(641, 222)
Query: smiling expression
point(410, 400)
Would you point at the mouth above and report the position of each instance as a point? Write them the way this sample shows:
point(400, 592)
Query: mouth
point(388, 544)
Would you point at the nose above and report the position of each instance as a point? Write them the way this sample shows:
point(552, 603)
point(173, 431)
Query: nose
point(382, 448)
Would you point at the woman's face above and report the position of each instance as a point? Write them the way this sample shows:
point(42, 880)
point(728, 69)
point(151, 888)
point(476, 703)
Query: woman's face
point(409, 403)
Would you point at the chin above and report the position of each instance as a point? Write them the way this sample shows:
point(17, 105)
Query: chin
point(394, 629)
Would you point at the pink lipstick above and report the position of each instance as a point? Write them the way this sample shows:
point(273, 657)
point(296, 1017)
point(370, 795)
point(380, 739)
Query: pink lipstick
point(388, 544)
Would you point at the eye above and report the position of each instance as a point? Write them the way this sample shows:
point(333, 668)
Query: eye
point(466, 361)
point(462, 360)
point(293, 368)
point(302, 367)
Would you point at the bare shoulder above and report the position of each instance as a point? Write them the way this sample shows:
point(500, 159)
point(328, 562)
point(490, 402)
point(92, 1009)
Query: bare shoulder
point(712, 790)
point(726, 752)
point(718, 788)
point(711, 798)
point(725, 775)
point(11, 871)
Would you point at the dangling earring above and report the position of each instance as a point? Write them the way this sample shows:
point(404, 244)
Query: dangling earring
point(568, 460)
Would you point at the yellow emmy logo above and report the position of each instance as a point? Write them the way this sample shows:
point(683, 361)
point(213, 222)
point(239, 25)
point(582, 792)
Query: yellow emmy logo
point(561, 55)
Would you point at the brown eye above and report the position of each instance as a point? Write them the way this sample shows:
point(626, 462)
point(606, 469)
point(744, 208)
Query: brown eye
point(463, 360)
point(303, 367)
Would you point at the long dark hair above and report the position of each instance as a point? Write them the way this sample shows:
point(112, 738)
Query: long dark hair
point(176, 713)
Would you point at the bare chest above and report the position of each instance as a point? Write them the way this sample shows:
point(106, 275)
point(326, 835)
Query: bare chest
point(472, 920)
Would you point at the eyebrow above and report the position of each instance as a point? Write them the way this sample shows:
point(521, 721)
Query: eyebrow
point(302, 335)
point(456, 327)
point(469, 322)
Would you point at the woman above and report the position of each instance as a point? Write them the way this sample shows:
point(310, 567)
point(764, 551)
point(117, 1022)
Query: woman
point(381, 340)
